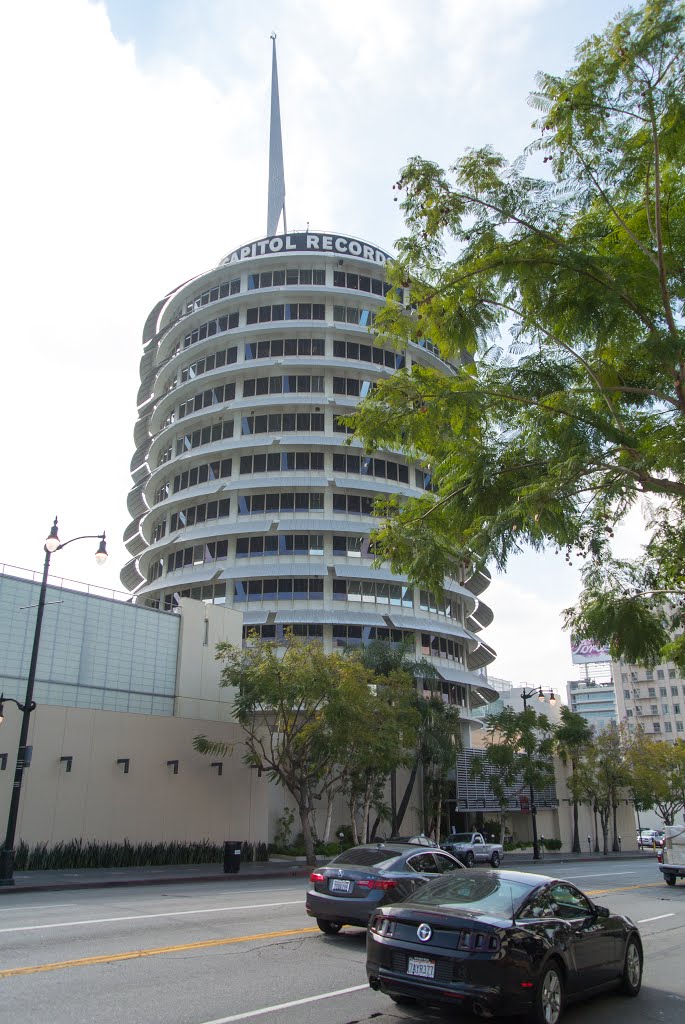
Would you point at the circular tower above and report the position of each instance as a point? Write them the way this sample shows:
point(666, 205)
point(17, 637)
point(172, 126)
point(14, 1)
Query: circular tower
point(246, 491)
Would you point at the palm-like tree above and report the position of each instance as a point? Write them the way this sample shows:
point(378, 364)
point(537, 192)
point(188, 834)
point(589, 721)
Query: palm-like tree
point(573, 736)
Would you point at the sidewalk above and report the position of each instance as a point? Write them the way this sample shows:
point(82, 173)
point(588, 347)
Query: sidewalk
point(101, 878)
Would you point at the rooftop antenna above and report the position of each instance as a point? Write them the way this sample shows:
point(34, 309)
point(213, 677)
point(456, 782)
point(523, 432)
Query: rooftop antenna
point(276, 173)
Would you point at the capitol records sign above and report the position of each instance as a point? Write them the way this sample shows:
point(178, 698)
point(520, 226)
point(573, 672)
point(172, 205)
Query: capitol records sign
point(584, 652)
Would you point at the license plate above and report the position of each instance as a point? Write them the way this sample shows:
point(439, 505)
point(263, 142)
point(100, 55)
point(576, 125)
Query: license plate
point(421, 968)
point(340, 885)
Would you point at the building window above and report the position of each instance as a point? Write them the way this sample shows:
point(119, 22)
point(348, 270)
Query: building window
point(274, 348)
point(353, 315)
point(281, 462)
point(676, 709)
point(289, 384)
point(281, 589)
point(662, 691)
point(279, 278)
point(204, 435)
point(360, 282)
point(626, 694)
point(368, 354)
point(276, 423)
point(212, 327)
point(289, 544)
point(373, 592)
point(221, 291)
point(654, 710)
point(657, 727)
point(204, 399)
point(353, 504)
point(652, 691)
point(629, 713)
point(674, 691)
point(668, 727)
point(660, 673)
point(286, 311)
point(219, 469)
point(203, 513)
point(356, 636)
point(288, 501)
point(679, 727)
point(664, 709)
point(365, 465)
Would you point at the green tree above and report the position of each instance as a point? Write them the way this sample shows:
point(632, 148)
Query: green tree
point(658, 774)
point(572, 737)
point(306, 717)
point(549, 437)
point(603, 777)
point(519, 752)
point(432, 747)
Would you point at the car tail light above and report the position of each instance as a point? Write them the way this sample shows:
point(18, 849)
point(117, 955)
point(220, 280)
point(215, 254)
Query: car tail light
point(478, 942)
point(316, 876)
point(382, 925)
point(377, 883)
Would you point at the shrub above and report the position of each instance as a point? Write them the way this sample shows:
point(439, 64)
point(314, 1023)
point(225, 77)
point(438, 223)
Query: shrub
point(551, 844)
point(90, 854)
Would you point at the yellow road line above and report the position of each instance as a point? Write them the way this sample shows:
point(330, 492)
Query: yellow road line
point(623, 888)
point(137, 953)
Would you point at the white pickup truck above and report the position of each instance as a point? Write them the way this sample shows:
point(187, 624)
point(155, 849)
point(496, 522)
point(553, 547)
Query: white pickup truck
point(470, 847)
point(672, 855)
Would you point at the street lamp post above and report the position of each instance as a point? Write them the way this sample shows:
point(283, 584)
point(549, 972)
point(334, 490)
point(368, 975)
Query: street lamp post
point(52, 544)
point(527, 695)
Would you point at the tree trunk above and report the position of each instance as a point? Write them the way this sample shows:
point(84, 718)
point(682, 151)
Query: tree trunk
point(305, 821)
point(594, 811)
point(576, 833)
point(329, 819)
point(615, 846)
point(406, 796)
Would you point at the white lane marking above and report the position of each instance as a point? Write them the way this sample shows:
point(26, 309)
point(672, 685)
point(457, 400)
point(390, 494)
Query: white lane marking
point(604, 874)
point(147, 917)
point(286, 1006)
point(646, 920)
point(34, 906)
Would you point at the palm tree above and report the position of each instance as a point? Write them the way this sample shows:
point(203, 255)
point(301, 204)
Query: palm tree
point(572, 737)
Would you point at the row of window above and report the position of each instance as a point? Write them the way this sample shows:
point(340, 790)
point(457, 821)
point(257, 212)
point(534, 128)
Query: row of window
point(442, 647)
point(219, 325)
point(221, 291)
point(279, 631)
point(218, 469)
point(285, 311)
point(205, 512)
point(278, 278)
point(354, 315)
point(282, 589)
point(651, 692)
point(450, 607)
point(649, 675)
point(198, 554)
point(213, 361)
point(204, 399)
point(276, 423)
point(274, 544)
point(360, 282)
point(286, 501)
point(368, 354)
point(352, 386)
point(275, 348)
point(279, 462)
point(221, 431)
point(368, 466)
point(373, 592)
point(656, 726)
point(287, 384)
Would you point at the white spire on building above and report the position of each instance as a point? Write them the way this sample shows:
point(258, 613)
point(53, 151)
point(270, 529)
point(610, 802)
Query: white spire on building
point(276, 172)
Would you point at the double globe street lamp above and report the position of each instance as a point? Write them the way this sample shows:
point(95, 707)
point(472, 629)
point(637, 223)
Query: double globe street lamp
point(527, 695)
point(52, 544)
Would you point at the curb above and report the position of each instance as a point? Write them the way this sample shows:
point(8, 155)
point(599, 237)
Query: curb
point(118, 883)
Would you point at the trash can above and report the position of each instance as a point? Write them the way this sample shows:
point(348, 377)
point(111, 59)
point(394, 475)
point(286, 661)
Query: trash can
point(232, 858)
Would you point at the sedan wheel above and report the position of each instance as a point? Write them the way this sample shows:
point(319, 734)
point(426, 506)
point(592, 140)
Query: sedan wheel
point(494, 860)
point(328, 927)
point(549, 997)
point(632, 969)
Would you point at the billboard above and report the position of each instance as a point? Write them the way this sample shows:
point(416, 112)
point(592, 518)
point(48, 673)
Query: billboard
point(585, 652)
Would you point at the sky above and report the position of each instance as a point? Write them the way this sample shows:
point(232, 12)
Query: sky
point(136, 145)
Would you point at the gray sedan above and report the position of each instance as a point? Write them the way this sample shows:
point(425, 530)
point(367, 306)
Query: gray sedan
point(355, 883)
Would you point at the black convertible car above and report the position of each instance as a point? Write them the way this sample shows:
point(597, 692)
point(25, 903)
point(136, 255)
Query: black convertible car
point(499, 943)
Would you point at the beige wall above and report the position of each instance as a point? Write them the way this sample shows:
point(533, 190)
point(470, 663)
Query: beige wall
point(203, 626)
point(96, 800)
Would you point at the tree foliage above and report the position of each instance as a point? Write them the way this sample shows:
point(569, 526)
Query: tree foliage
point(658, 775)
point(313, 721)
point(556, 302)
point(519, 747)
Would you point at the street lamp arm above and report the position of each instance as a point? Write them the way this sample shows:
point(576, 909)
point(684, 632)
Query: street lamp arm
point(22, 707)
point(83, 536)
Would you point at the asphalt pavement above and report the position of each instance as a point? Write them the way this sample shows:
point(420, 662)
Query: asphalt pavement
point(168, 874)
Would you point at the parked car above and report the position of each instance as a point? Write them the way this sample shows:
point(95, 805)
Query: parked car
point(501, 942)
point(649, 838)
point(351, 886)
point(671, 856)
point(471, 846)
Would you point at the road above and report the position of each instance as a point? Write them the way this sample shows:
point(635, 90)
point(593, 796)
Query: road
point(214, 954)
